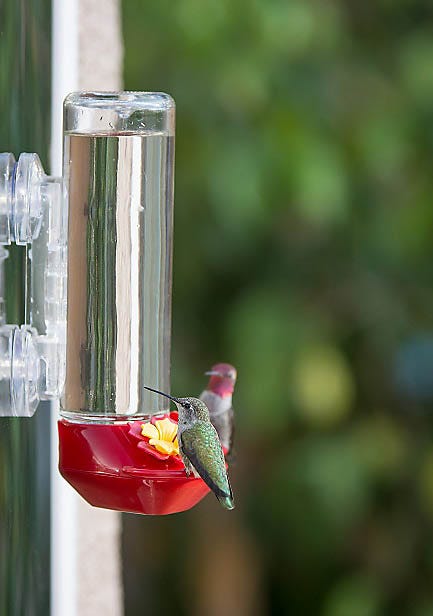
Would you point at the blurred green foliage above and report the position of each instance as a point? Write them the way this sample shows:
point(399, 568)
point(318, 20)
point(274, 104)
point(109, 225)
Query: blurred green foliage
point(24, 444)
point(304, 255)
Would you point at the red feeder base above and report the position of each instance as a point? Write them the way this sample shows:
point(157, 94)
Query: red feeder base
point(106, 467)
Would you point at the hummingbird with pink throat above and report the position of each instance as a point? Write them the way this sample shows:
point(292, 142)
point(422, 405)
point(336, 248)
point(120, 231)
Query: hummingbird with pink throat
point(218, 398)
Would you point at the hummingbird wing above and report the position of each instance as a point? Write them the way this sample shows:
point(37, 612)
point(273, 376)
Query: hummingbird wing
point(221, 416)
point(202, 448)
point(231, 419)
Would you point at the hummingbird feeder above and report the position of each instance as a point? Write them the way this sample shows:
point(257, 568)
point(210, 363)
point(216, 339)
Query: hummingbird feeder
point(98, 324)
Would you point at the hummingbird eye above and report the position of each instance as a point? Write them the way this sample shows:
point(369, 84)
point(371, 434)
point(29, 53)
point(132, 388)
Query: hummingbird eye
point(186, 405)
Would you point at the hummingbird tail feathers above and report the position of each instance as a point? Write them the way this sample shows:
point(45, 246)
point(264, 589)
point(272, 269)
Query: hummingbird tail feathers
point(216, 479)
point(226, 501)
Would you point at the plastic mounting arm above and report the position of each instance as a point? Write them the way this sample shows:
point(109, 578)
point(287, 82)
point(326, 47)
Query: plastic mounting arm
point(32, 354)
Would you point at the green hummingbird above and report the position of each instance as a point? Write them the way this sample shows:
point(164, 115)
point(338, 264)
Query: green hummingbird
point(200, 446)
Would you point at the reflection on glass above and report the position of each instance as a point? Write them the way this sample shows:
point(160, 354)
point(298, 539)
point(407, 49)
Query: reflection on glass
point(24, 444)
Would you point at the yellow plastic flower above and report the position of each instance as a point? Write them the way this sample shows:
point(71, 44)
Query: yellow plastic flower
point(162, 436)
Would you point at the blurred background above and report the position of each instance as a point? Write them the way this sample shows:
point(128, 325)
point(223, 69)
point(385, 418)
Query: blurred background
point(304, 256)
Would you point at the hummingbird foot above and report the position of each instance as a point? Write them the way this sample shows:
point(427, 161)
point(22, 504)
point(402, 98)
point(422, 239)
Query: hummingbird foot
point(188, 466)
point(189, 469)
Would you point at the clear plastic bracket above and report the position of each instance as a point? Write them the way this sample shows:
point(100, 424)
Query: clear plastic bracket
point(32, 214)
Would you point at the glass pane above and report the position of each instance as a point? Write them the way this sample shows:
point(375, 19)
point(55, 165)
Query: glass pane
point(24, 443)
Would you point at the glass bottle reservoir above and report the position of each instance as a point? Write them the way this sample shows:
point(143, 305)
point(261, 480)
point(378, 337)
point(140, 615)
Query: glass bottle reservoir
point(118, 171)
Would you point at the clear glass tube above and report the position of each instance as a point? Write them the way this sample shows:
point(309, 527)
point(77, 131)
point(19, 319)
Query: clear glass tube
point(118, 171)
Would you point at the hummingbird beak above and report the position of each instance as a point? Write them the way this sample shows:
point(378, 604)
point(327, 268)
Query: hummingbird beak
point(213, 373)
point(161, 393)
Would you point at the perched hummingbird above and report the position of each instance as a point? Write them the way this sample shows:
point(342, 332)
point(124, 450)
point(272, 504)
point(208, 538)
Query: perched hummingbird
point(200, 447)
point(218, 398)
